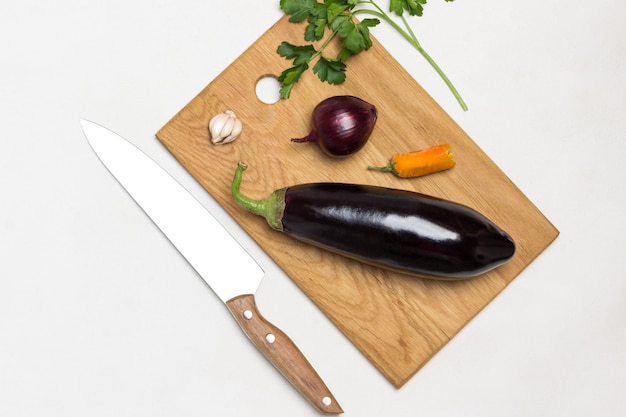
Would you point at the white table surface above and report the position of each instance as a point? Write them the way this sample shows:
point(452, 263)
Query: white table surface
point(100, 316)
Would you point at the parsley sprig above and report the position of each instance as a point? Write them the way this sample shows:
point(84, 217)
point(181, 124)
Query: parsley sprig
point(339, 17)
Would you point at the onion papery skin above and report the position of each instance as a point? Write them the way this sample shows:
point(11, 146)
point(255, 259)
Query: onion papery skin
point(342, 125)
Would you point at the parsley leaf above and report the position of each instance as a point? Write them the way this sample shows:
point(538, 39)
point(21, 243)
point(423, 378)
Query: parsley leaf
point(357, 35)
point(414, 7)
point(337, 19)
point(288, 78)
point(329, 70)
point(336, 15)
point(298, 10)
point(315, 29)
point(300, 54)
point(333, 10)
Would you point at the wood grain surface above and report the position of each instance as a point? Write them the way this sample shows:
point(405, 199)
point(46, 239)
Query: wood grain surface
point(398, 322)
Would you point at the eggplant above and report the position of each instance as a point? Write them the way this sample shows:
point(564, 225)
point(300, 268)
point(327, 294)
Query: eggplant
point(394, 229)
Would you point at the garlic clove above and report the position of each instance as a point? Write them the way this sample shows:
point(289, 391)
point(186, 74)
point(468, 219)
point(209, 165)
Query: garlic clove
point(225, 127)
point(216, 124)
point(236, 130)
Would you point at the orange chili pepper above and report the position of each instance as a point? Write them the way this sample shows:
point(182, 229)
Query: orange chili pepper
point(416, 164)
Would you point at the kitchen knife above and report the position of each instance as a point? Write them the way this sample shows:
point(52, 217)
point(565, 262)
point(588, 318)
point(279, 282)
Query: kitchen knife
point(201, 239)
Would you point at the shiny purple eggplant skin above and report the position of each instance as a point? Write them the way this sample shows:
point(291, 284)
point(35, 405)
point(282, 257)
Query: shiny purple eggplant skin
point(393, 229)
point(396, 229)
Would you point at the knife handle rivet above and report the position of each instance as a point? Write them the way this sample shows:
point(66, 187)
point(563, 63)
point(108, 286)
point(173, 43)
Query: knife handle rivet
point(327, 401)
point(247, 314)
point(270, 338)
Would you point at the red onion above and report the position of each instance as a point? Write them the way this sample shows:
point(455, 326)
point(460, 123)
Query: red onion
point(341, 125)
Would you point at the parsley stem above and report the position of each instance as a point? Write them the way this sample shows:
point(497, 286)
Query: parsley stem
point(320, 50)
point(412, 39)
point(432, 62)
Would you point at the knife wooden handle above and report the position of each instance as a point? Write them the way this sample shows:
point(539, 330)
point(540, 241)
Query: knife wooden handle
point(280, 350)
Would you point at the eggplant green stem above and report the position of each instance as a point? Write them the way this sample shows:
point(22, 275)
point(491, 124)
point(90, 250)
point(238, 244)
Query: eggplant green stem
point(271, 208)
point(412, 39)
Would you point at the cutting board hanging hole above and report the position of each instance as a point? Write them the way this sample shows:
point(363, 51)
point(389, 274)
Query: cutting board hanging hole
point(268, 89)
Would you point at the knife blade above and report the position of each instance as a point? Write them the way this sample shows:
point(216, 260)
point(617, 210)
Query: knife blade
point(199, 237)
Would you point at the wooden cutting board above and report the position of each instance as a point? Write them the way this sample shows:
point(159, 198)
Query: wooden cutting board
point(398, 322)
